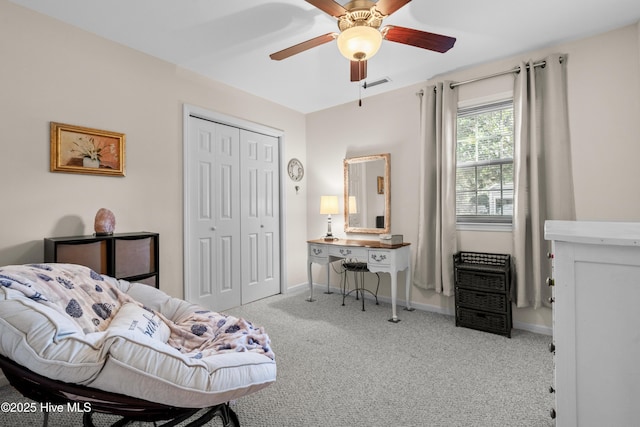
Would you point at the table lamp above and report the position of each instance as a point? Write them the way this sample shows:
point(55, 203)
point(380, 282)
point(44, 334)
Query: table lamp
point(328, 206)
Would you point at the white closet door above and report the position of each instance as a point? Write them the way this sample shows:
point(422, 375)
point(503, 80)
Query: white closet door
point(214, 222)
point(232, 217)
point(260, 216)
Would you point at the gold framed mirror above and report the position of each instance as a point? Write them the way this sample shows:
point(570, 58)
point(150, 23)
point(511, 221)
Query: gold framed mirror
point(367, 194)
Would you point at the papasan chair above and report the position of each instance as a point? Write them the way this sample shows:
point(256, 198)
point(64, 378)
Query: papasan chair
point(71, 336)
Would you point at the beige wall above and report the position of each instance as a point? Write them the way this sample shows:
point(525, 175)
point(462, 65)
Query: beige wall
point(604, 103)
point(54, 72)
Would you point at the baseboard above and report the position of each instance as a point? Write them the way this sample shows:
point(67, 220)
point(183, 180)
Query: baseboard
point(428, 307)
point(536, 329)
point(299, 287)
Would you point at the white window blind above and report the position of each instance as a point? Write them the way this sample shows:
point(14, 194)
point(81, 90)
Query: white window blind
point(484, 173)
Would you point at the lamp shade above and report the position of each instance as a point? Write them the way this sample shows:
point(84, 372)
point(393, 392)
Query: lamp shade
point(359, 43)
point(353, 205)
point(329, 205)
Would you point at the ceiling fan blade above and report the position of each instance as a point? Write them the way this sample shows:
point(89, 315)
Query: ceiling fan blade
point(423, 39)
point(387, 7)
point(358, 70)
point(301, 47)
point(329, 6)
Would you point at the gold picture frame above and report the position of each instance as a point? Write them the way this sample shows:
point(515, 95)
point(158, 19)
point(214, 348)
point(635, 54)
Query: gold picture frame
point(77, 149)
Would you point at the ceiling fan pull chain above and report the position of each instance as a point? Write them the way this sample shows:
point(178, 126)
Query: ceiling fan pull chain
point(360, 77)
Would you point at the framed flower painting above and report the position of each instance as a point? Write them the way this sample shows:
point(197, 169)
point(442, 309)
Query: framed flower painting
point(79, 149)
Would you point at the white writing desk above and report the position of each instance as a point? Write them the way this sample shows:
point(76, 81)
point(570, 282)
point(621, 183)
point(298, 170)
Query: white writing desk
point(379, 259)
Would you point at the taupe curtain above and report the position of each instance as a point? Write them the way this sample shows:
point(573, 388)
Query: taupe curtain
point(436, 244)
point(543, 179)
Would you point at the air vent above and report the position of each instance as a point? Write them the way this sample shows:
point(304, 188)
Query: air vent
point(367, 85)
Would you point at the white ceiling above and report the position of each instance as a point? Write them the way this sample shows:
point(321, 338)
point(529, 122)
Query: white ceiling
point(230, 40)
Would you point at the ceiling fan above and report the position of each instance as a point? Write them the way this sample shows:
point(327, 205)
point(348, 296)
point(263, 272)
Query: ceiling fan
point(360, 34)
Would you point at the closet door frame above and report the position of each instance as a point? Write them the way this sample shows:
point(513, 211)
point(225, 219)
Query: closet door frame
point(198, 112)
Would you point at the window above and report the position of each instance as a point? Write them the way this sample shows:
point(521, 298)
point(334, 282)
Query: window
point(484, 173)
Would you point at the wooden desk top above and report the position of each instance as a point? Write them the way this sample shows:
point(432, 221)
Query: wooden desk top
point(375, 244)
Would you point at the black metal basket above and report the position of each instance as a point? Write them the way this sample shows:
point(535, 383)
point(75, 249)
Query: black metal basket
point(482, 300)
point(488, 322)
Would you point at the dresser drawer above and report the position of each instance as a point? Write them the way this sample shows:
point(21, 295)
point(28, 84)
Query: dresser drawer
point(378, 257)
point(348, 252)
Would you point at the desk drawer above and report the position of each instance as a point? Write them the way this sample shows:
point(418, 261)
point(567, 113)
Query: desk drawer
point(348, 252)
point(378, 257)
point(318, 251)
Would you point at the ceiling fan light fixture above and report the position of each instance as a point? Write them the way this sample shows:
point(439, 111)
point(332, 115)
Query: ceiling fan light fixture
point(359, 43)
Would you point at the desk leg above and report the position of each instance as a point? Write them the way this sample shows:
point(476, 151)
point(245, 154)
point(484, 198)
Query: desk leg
point(407, 284)
point(394, 296)
point(328, 291)
point(310, 279)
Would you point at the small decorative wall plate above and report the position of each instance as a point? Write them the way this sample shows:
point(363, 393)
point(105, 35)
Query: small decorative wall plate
point(295, 169)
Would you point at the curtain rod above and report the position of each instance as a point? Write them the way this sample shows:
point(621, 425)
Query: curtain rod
point(498, 74)
point(501, 73)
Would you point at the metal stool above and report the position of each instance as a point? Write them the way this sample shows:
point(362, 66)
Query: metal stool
point(357, 267)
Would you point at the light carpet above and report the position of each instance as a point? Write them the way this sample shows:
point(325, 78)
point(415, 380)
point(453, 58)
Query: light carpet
point(340, 366)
